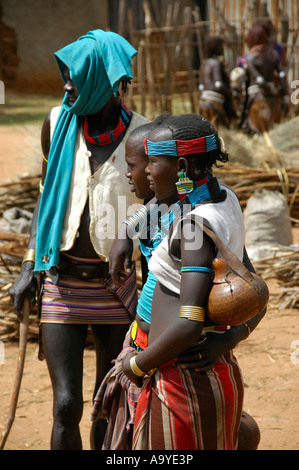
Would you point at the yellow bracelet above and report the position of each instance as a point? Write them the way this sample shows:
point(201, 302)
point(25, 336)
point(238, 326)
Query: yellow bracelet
point(29, 256)
point(192, 312)
point(134, 368)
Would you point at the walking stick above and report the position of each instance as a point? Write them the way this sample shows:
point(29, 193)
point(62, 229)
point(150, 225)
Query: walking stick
point(19, 371)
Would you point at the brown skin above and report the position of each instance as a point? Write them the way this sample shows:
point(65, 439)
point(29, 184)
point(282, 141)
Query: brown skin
point(266, 62)
point(212, 71)
point(137, 161)
point(170, 335)
point(205, 354)
point(64, 344)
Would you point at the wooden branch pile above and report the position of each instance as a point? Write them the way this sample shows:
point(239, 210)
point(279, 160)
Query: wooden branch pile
point(22, 194)
point(247, 180)
point(160, 75)
point(284, 267)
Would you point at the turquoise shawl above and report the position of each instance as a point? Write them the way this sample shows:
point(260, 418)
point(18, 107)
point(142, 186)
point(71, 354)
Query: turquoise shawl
point(96, 63)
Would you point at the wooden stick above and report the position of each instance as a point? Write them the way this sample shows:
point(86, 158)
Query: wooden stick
point(19, 371)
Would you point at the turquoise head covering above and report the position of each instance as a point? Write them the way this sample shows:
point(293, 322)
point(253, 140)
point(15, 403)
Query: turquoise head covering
point(96, 63)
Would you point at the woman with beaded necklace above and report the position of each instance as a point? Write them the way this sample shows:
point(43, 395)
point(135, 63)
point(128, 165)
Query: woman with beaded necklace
point(179, 408)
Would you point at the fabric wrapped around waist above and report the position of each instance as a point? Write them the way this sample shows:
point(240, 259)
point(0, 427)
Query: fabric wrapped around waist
point(86, 269)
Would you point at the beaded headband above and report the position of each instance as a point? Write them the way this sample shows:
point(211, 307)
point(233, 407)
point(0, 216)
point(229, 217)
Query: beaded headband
point(178, 148)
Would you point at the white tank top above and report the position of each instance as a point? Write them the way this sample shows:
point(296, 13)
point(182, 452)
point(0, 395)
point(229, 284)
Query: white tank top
point(225, 219)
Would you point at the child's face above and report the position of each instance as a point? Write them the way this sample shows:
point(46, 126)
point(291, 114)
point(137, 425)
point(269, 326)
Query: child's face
point(162, 173)
point(136, 164)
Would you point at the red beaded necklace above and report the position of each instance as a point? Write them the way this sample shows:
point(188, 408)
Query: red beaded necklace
point(110, 136)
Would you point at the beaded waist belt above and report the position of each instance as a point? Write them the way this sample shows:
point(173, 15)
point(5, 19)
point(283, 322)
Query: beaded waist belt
point(256, 89)
point(212, 96)
point(139, 337)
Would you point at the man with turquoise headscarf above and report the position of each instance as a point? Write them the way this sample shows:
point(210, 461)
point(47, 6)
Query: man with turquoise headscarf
point(84, 196)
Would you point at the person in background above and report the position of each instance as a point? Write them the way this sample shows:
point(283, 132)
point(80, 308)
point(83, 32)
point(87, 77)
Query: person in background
point(269, 29)
point(215, 102)
point(267, 82)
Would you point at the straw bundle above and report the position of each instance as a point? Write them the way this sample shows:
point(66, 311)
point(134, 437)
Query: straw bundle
point(246, 180)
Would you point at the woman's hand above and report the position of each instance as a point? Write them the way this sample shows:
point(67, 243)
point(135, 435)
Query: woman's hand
point(126, 368)
point(120, 256)
point(204, 355)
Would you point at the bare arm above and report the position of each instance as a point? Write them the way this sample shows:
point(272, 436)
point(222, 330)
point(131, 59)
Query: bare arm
point(207, 353)
point(25, 285)
point(219, 84)
point(180, 333)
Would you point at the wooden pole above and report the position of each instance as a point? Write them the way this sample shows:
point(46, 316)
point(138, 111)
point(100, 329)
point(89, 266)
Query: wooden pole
point(19, 371)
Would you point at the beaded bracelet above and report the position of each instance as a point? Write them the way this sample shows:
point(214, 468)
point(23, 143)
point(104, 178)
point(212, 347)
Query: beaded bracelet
point(190, 269)
point(192, 312)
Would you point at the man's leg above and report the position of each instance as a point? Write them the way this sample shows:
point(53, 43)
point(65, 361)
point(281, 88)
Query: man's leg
point(108, 341)
point(63, 347)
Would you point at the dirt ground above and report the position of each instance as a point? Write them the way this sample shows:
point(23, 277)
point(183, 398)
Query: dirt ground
point(268, 358)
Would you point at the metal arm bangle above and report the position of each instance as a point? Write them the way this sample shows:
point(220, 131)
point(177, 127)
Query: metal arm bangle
point(192, 312)
point(29, 256)
point(248, 329)
point(134, 368)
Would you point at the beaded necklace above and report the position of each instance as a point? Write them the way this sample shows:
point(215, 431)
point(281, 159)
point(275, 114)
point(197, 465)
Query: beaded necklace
point(206, 190)
point(110, 137)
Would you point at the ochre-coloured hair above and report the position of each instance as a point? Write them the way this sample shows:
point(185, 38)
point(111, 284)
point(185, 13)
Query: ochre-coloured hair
point(256, 36)
point(212, 45)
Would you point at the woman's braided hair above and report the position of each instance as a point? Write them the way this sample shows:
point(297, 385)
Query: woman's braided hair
point(193, 126)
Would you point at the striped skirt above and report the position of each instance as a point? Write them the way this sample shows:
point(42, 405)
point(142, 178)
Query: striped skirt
point(187, 410)
point(94, 301)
